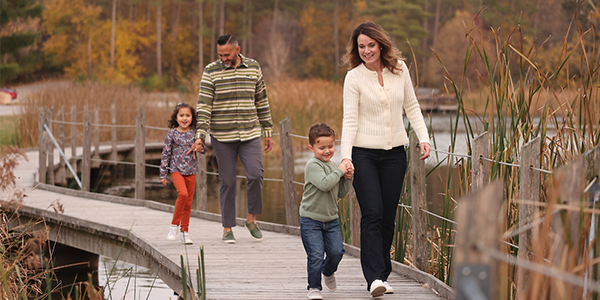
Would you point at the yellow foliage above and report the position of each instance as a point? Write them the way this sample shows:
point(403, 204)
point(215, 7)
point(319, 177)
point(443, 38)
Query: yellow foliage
point(69, 23)
point(318, 39)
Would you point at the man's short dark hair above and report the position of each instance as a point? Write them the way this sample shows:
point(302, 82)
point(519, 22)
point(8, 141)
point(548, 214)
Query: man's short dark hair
point(318, 130)
point(227, 39)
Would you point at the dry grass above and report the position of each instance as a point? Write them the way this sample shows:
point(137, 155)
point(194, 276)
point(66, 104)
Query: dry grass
point(128, 101)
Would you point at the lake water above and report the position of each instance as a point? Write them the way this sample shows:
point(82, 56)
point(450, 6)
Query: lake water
point(127, 281)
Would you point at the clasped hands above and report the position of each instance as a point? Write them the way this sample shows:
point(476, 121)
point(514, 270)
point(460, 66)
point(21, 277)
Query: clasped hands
point(347, 167)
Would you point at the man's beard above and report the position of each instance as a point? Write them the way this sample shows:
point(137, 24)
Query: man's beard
point(230, 63)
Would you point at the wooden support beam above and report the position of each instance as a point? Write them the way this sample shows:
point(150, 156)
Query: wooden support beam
point(74, 161)
point(86, 166)
point(50, 146)
point(140, 155)
point(61, 176)
point(530, 184)
point(418, 196)
point(287, 162)
point(42, 145)
point(480, 169)
point(479, 224)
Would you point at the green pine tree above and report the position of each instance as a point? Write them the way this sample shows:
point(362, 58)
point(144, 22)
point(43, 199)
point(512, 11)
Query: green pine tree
point(10, 44)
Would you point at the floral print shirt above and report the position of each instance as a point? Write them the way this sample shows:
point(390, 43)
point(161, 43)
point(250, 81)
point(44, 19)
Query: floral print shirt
point(173, 154)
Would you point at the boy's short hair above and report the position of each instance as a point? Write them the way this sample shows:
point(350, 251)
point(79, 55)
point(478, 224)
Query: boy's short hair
point(318, 130)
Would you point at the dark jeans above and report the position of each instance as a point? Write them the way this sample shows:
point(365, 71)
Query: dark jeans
point(251, 157)
point(320, 238)
point(378, 179)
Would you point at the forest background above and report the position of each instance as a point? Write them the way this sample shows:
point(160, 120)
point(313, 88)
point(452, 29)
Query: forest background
point(163, 44)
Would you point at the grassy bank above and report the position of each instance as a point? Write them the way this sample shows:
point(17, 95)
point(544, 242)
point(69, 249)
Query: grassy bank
point(9, 129)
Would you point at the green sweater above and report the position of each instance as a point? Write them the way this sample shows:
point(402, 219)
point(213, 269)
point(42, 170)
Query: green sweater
point(324, 184)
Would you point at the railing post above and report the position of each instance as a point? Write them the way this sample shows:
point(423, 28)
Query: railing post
point(86, 172)
point(50, 146)
point(354, 219)
point(74, 137)
point(480, 169)
point(565, 225)
point(478, 226)
point(96, 162)
point(419, 202)
point(42, 145)
point(287, 161)
point(140, 155)
point(200, 202)
point(62, 171)
point(113, 132)
point(529, 190)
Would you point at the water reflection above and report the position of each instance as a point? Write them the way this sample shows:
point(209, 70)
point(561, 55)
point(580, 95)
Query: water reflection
point(122, 280)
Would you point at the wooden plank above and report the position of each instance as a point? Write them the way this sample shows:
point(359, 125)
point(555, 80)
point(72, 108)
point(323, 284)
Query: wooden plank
point(571, 181)
point(201, 199)
point(479, 225)
point(418, 196)
point(42, 145)
point(355, 216)
point(62, 169)
point(96, 140)
point(50, 145)
point(530, 184)
point(287, 162)
point(74, 137)
point(140, 155)
point(113, 133)
point(86, 167)
point(480, 170)
point(231, 275)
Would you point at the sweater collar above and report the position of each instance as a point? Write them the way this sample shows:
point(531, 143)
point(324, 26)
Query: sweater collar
point(366, 70)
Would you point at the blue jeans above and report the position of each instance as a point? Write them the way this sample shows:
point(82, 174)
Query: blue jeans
point(378, 179)
point(320, 238)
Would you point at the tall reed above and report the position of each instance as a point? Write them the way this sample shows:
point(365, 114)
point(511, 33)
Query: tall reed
point(515, 100)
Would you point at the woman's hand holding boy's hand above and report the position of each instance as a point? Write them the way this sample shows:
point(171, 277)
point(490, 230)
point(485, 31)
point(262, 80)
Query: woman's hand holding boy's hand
point(163, 181)
point(349, 168)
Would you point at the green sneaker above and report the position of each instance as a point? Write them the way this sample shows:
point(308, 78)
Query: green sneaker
point(254, 231)
point(228, 237)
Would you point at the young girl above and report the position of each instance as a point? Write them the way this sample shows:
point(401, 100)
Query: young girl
point(183, 167)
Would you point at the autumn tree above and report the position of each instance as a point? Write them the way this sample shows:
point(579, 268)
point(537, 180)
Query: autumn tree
point(401, 19)
point(12, 64)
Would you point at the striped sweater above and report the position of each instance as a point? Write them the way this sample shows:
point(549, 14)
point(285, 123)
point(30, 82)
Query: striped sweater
point(233, 103)
point(373, 113)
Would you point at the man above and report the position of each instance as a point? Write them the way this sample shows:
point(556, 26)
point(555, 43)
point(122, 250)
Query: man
point(233, 105)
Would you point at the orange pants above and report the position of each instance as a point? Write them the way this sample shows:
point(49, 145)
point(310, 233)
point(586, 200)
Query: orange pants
point(185, 185)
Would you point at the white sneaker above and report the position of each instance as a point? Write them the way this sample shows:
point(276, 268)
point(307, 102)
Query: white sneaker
point(173, 231)
point(185, 238)
point(330, 282)
point(377, 288)
point(314, 294)
point(388, 288)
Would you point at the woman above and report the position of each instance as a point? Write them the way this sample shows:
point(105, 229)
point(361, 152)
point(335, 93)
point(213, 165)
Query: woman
point(376, 89)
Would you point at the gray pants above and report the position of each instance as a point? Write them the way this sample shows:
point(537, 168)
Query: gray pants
point(251, 157)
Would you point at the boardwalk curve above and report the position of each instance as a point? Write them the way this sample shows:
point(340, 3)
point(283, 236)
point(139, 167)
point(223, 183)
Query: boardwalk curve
point(272, 269)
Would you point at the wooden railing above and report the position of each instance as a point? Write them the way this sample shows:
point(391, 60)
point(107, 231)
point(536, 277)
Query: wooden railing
point(587, 168)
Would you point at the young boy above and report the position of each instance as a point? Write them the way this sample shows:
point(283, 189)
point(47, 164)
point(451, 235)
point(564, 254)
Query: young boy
point(325, 182)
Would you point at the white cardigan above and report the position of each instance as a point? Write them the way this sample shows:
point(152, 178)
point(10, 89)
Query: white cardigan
point(373, 113)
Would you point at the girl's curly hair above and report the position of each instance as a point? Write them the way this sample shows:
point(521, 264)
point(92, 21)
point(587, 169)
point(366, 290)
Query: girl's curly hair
point(173, 121)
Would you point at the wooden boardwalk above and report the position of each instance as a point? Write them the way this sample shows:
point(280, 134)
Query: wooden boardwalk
point(272, 269)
